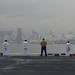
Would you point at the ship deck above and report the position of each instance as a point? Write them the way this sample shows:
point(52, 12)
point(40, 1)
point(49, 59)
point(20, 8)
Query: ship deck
point(36, 65)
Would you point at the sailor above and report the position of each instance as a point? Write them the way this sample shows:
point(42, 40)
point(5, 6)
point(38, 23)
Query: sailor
point(5, 47)
point(43, 44)
point(68, 48)
point(25, 47)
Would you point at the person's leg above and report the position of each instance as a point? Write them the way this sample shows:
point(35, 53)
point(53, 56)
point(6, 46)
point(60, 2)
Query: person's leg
point(41, 51)
point(68, 53)
point(25, 51)
point(5, 51)
point(45, 51)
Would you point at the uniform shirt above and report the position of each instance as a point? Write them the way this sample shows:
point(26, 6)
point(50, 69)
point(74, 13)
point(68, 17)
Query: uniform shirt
point(68, 46)
point(43, 43)
point(5, 44)
point(25, 44)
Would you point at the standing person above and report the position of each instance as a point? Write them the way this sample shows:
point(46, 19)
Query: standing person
point(43, 44)
point(68, 48)
point(25, 46)
point(5, 47)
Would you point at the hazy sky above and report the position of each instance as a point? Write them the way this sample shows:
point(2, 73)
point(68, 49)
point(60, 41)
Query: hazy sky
point(40, 15)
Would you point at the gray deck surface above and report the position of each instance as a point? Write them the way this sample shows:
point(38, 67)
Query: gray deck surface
point(36, 65)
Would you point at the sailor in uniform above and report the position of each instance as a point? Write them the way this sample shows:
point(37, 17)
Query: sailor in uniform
point(25, 47)
point(68, 48)
point(5, 47)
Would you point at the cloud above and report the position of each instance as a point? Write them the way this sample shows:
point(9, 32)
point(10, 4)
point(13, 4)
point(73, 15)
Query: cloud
point(49, 14)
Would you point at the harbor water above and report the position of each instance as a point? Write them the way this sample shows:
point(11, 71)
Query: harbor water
point(15, 48)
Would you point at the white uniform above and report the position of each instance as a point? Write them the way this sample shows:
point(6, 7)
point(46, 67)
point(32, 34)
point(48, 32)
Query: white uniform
point(68, 49)
point(25, 46)
point(5, 48)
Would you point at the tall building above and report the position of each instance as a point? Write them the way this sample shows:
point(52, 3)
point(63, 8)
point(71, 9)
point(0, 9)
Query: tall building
point(51, 34)
point(19, 35)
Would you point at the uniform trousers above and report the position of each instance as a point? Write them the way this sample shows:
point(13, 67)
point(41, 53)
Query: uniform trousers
point(43, 48)
point(67, 53)
point(5, 51)
point(25, 51)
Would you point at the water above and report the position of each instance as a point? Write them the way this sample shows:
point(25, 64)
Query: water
point(35, 48)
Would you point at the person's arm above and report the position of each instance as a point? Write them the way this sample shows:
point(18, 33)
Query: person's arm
point(70, 45)
point(46, 43)
point(7, 44)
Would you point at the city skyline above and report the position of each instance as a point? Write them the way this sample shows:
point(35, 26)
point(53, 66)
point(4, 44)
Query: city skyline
point(21, 35)
point(50, 32)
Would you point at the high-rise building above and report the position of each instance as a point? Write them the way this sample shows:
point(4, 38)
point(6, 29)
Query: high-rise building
point(19, 35)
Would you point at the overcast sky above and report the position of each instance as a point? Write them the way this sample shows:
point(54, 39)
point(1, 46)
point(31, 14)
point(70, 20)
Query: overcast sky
point(40, 15)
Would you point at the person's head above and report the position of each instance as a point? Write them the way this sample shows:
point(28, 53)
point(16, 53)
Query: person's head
point(5, 40)
point(43, 38)
point(25, 40)
point(68, 41)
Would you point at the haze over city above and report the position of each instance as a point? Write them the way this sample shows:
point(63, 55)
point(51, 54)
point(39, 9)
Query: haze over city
point(40, 15)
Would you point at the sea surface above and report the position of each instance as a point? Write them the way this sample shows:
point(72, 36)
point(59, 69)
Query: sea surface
point(15, 48)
